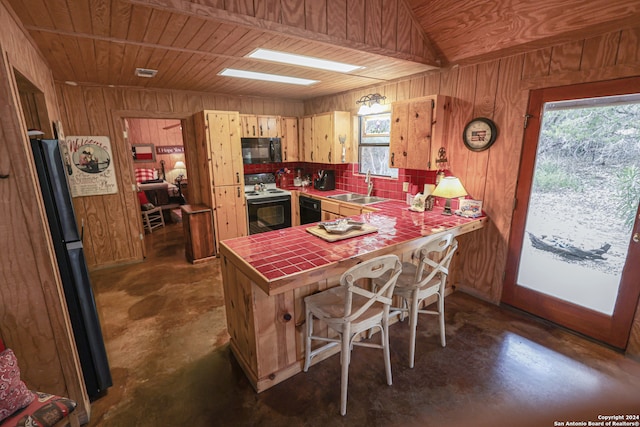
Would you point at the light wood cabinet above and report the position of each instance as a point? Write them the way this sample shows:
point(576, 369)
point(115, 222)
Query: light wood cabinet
point(231, 212)
point(306, 138)
point(349, 210)
point(197, 223)
point(289, 139)
point(258, 126)
point(418, 130)
point(332, 210)
point(219, 155)
point(332, 137)
point(268, 126)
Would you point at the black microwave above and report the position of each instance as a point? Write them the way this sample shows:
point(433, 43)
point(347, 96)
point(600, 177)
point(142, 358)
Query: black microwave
point(261, 150)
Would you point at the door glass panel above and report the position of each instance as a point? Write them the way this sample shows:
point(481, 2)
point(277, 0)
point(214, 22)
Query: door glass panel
point(584, 197)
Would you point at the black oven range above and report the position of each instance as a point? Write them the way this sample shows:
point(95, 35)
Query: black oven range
point(268, 207)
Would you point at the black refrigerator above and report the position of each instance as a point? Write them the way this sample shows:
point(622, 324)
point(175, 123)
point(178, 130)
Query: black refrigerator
point(67, 242)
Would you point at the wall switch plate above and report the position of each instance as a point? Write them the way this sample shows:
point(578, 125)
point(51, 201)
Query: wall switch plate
point(405, 186)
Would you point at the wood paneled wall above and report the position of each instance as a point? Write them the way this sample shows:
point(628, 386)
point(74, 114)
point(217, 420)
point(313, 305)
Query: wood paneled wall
point(33, 318)
point(499, 90)
point(112, 223)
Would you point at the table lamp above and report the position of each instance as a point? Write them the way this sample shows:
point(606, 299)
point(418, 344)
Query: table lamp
point(449, 187)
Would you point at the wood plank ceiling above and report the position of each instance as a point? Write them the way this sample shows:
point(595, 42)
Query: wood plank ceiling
point(101, 42)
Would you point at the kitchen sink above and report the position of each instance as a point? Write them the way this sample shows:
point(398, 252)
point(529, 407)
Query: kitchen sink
point(347, 197)
point(360, 199)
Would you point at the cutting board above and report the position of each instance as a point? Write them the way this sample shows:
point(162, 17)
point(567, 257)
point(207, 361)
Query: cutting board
point(329, 237)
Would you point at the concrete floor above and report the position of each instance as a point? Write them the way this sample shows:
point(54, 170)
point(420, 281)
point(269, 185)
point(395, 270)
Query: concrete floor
point(165, 332)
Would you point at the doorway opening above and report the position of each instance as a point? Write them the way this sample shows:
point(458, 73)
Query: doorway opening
point(159, 163)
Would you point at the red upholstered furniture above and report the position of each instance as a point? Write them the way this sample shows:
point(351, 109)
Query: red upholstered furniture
point(21, 407)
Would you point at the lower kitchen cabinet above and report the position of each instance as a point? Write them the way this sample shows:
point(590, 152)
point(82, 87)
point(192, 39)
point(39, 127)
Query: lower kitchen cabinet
point(230, 212)
point(197, 223)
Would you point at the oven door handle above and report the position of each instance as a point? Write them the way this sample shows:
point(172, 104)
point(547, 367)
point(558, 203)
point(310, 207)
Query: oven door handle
point(266, 202)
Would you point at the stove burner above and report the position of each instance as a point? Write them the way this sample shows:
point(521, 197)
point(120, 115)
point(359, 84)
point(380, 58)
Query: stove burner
point(273, 190)
point(251, 193)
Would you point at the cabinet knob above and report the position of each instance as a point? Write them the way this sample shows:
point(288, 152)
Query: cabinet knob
point(404, 153)
point(393, 158)
point(287, 317)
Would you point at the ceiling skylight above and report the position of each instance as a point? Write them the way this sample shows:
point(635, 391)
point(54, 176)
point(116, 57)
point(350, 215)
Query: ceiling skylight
point(300, 60)
point(231, 72)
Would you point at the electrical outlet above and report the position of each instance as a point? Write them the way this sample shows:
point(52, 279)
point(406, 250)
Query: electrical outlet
point(405, 186)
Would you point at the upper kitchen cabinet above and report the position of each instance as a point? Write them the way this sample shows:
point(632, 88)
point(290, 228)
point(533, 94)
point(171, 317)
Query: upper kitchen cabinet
point(254, 126)
point(418, 130)
point(289, 139)
point(249, 125)
point(332, 137)
point(306, 138)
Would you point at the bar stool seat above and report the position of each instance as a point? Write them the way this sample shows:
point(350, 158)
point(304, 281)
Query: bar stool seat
point(417, 283)
point(352, 308)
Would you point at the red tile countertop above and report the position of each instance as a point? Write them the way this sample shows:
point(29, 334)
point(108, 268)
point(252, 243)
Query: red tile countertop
point(281, 253)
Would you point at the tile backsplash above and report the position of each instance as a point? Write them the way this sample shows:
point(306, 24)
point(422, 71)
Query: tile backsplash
point(348, 179)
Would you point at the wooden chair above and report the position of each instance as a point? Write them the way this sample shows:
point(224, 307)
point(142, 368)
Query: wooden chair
point(152, 219)
point(352, 308)
point(428, 278)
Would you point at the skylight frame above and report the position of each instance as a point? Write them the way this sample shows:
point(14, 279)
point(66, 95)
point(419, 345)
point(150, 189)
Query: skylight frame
point(302, 61)
point(274, 78)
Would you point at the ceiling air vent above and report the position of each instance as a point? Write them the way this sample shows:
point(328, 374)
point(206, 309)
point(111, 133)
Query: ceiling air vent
point(146, 72)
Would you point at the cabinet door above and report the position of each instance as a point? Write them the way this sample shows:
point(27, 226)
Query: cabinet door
point(249, 125)
point(398, 137)
point(342, 136)
point(420, 121)
point(268, 126)
point(289, 137)
point(230, 212)
point(323, 137)
point(330, 216)
point(349, 210)
point(307, 139)
point(225, 151)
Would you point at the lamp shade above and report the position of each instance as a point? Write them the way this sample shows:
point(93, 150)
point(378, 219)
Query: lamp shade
point(449, 187)
point(179, 165)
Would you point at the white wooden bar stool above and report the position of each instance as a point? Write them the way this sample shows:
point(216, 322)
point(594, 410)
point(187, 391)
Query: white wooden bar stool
point(352, 308)
point(428, 278)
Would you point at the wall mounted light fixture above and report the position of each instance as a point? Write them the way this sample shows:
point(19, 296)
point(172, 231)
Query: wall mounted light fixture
point(370, 104)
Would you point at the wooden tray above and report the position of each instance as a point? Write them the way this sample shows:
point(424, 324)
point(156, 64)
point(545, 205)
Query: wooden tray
point(323, 234)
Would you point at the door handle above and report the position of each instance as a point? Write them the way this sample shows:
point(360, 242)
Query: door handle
point(636, 237)
point(238, 177)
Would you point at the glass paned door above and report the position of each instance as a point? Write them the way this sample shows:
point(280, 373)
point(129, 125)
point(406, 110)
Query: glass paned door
point(574, 250)
point(582, 203)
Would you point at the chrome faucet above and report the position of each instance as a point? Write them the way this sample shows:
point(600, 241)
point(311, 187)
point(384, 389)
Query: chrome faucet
point(369, 183)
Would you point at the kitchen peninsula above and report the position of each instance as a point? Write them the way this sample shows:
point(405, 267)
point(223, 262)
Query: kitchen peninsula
point(266, 277)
